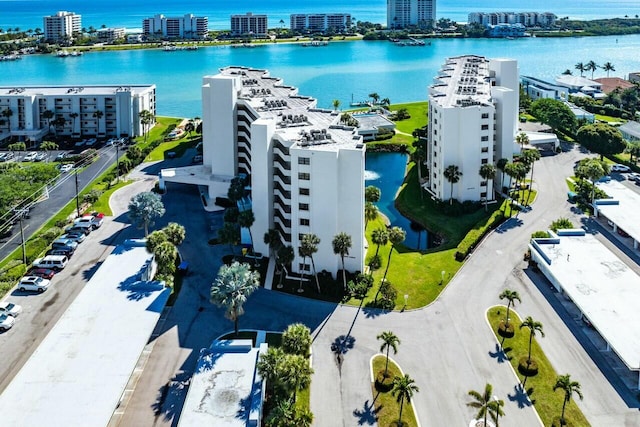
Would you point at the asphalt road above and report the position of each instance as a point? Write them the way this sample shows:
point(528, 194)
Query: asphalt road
point(59, 195)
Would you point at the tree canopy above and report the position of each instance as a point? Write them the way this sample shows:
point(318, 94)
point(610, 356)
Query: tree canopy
point(554, 113)
point(144, 209)
point(601, 138)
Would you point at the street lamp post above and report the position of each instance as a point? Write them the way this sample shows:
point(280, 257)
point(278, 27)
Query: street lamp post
point(77, 195)
point(24, 250)
point(117, 163)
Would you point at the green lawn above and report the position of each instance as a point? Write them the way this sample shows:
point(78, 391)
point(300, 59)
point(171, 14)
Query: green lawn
point(418, 112)
point(386, 405)
point(102, 205)
point(179, 146)
point(540, 387)
point(157, 131)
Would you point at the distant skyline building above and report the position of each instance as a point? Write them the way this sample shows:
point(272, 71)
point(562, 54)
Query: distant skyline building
point(108, 35)
point(179, 27)
point(473, 112)
point(528, 19)
point(306, 168)
point(62, 26)
point(339, 22)
point(249, 24)
point(100, 110)
point(407, 13)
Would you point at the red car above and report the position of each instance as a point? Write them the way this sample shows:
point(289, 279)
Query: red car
point(45, 273)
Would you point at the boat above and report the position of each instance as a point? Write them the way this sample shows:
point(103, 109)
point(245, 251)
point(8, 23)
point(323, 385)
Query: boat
point(315, 43)
point(75, 53)
point(62, 53)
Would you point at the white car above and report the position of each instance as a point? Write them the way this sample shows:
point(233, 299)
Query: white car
point(10, 308)
point(634, 177)
point(74, 237)
point(94, 220)
point(30, 157)
point(66, 167)
point(620, 168)
point(33, 283)
point(6, 322)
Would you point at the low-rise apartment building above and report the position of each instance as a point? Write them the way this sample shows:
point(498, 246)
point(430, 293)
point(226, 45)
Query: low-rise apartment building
point(108, 35)
point(177, 27)
point(528, 19)
point(337, 22)
point(75, 111)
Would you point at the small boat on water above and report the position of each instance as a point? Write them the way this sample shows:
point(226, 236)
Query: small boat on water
point(12, 57)
point(62, 53)
point(315, 43)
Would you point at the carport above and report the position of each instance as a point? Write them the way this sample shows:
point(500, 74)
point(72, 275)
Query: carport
point(622, 209)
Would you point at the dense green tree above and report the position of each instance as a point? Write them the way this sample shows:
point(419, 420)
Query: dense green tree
point(372, 194)
point(154, 239)
point(165, 255)
point(231, 288)
point(569, 387)
point(341, 244)
point(593, 170)
point(554, 113)
point(144, 209)
point(633, 148)
point(296, 339)
point(390, 341)
point(175, 233)
point(601, 138)
point(246, 219)
point(229, 234)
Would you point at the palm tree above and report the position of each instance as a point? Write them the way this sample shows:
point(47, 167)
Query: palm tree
point(534, 326)
point(453, 174)
point(273, 241)
point(385, 101)
point(146, 118)
point(165, 255)
point(246, 219)
point(229, 233)
point(232, 287)
point(336, 104)
point(593, 171)
point(98, 114)
point(581, 67)
point(511, 297)
point(530, 157)
point(370, 213)
point(496, 406)
point(564, 383)
point(189, 127)
point(7, 113)
point(404, 388)
point(296, 374)
point(389, 341)
point(308, 247)
point(396, 236)
point(379, 236)
point(144, 208)
point(500, 165)
point(375, 97)
point(48, 146)
point(591, 66)
point(488, 172)
point(175, 233)
point(73, 116)
point(58, 122)
point(608, 66)
point(284, 257)
point(296, 339)
point(522, 139)
point(372, 194)
point(483, 403)
point(341, 245)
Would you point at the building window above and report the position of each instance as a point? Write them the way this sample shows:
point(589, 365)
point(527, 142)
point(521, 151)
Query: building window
point(485, 149)
point(484, 127)
point(485, 161)
point(483, 195)
point(483, 184)
point(304, 176)
point(435, 121)
point(304, 221)
point(484, 138)
point(485, 115)
point(303, 206)
point(304, 267)
point(300, 236)
point(304, 161)
point(304, 191)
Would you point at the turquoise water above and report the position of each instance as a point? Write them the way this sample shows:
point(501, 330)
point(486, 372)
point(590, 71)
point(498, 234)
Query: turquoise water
point(28, 13)
point(341, 70)
point(386, 171)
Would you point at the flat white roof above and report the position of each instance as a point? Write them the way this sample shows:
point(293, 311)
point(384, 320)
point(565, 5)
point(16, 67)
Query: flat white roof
point(77, 375)
point(602, 286)
point(77, 90)
point(225, 390)
point(625, 213)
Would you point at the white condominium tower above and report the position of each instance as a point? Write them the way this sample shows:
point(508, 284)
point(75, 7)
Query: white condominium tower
point(249, 24)
point(473, 111)
point(306, 169)
point(406, 13)
point(62, 26)
point(177, 27)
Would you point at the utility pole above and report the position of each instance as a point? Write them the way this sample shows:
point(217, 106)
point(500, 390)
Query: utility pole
point(117, 161)
point(77, 195)
point(24, 250)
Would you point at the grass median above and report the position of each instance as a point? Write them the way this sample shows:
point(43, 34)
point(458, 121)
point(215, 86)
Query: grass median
point(387, 409)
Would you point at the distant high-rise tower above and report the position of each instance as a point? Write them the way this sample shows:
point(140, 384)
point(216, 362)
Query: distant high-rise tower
point(62, 26)
point(405, 13)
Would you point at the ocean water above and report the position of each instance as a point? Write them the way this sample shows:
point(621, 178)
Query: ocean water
point(342, 70)
point(27, 14)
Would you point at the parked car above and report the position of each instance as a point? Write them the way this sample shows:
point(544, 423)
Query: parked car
point(61, 156)
point(45, 273)
point(67, 167)
point(79, 228)
point(60, 242)
point(6, 322)
point(76, 237)
point(10, 308)
point(54, 262)
point(91, 220)
point(33, 283)
point(605, 178)
point(62, 250)
point(622, 232)
point(30, 156)
point(620, 168)
point(634, 176)
point(40, 157)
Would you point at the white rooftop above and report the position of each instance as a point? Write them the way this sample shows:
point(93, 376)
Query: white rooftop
point(603, 287)
point(631, 128)
point(77, 375)
point(85, 90)
point(577, 82)
point(225, 390)
point(625, 213)
point(462, 81)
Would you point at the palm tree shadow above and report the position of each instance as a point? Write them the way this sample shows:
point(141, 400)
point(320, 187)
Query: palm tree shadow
point(368, 414)
point(501, 354)
point(521, 396)
point(342, 344)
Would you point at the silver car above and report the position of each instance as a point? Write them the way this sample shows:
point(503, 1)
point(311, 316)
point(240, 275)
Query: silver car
point(6, 322)
point(10, 308)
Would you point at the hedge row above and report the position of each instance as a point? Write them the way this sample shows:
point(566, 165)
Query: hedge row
point(474, 236)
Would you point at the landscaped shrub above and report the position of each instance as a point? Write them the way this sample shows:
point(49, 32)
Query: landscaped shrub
point(374, 262)
point(359, 287)
point(388, 295)
point(92, 196)
point(474, 236)
point(384, 134)
point(52, 233)
point(61, 223)
point(561, 223)
point(387, 148)
point(296, 339)
point(506, 331)
point(35, 248)
point(383, 383)
point(540, 235)
point(527, 368)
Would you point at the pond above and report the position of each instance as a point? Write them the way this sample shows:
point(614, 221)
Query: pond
point(386, 171)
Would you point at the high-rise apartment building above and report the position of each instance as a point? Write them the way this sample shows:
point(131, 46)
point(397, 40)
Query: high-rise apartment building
point(322, 22)
point(179, 27)
point(249, 24)
point(306, 169)
point(78, 111)
point(473, 112)
point(62, 26)
point(407, 13)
